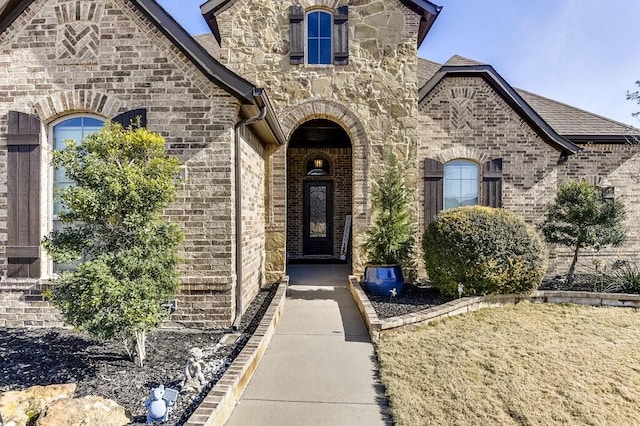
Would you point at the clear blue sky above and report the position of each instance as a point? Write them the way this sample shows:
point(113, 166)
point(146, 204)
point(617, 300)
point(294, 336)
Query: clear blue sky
point(585, 53)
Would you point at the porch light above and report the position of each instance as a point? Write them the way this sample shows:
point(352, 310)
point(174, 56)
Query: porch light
point(317, 163)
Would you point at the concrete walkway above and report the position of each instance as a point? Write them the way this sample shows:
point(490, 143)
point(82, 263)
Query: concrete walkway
point(320, 367)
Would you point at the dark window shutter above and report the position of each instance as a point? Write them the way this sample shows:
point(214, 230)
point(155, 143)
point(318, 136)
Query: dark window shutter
point(130, 118)
point(23, 195)
point(341, 36)
point(296, 34)
point(492, 183)
point(433, 189)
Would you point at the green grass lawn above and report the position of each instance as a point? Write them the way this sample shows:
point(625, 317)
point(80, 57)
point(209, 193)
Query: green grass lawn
point(526, 364)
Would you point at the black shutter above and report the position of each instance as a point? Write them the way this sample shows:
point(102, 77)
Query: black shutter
point(433, 189)
point(341, 36)
point(130, 118)
point(296, 34)
point(23, 195)
point(492, 183)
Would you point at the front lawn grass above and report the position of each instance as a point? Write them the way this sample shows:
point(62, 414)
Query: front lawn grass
point(525, 364)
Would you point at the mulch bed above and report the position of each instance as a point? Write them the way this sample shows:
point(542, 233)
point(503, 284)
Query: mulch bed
point(415, 298)
point(31, 357)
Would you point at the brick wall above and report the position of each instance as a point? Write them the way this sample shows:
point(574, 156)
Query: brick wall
point(531, 173)
point(253, 216)
point(130, 64)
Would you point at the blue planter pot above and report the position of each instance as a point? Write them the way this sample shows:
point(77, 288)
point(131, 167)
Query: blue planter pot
point(380, 279)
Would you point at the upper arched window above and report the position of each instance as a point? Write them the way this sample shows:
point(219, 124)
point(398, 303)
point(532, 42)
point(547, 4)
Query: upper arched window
point(76, 129)
point(461, 186)
point(319, 41)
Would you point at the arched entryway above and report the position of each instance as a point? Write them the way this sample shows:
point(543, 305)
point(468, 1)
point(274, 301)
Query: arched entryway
point(319, 192)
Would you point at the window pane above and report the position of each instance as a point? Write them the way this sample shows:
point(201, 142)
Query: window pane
point(460, 184)
point(325, 51)
point(325, 24)
point(313, 54)
point(313, 24)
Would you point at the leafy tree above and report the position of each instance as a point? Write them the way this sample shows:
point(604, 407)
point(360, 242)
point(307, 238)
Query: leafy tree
point(123, 180)
point(581, 218)
point(391, 238)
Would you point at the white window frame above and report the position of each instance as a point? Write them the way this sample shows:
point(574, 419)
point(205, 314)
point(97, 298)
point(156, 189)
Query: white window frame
point(306, 37)
point(444, 181)
point(47, 183)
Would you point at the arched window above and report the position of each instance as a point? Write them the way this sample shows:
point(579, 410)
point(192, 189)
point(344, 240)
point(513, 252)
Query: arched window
point(460, 184)
point(75, 129)
point(319, 44)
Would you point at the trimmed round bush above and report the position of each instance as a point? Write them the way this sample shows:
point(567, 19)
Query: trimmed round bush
point(488, 250)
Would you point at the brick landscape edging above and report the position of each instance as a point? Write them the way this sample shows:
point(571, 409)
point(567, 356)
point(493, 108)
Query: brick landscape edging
point(219, 403)
point(377, 327)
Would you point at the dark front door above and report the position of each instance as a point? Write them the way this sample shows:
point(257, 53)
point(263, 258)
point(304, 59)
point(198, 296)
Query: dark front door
point(318, 217)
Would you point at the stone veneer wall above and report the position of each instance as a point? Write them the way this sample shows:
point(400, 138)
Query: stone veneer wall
point(124, 63)
point(374, 97)
point(340, 161)
point(463, 117)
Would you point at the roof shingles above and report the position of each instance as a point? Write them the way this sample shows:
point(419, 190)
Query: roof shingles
point(564, 119)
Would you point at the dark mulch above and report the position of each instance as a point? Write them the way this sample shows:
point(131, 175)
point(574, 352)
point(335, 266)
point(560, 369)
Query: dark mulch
point(413, 298)
point(31, 357)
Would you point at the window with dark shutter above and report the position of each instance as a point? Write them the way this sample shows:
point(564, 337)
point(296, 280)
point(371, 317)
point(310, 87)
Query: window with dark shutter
point(23, 195)
point(130, 118)
point(296, 34)
point(433, 189)
point(341, 36)
point(492, 183)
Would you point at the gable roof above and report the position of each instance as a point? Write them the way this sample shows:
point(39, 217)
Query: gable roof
point(574, 124)
point(252, 98)
point(579, 125)
point(508, 94)
point(428, 13)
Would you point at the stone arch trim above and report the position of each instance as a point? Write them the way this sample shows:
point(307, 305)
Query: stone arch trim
point(326, 4)
point(330, 110)
point(461, 153)
point(291, 119)
point(61, 103)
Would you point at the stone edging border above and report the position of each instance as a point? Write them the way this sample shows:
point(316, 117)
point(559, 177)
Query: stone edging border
point(377, 327)
point(217, 406)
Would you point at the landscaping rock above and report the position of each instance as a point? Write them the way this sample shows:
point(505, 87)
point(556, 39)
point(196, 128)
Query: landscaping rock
point(21, 407)
point(86, 411)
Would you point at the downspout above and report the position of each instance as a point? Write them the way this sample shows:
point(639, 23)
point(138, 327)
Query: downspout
point(238, 195)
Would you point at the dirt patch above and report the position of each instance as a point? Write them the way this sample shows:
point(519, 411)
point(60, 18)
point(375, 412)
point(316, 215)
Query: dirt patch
point(31, 357)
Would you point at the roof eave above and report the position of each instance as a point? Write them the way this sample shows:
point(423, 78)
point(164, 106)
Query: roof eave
point(10, 12)
point(210, 67)
point(604, 139)
point(507, 92)
point(269, 128)
point(428, 14)
point(209, 11)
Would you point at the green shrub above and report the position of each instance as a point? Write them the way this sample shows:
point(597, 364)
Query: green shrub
point(489, 251)
point(627, 277)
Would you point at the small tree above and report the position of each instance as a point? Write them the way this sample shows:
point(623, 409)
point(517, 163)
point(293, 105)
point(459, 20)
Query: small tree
point(391, 238)
point(581, 218)
point(123, 180)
